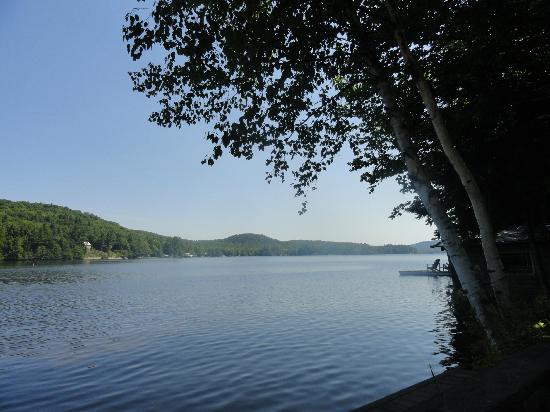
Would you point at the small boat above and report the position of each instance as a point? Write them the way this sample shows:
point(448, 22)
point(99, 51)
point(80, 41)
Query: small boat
point(432, 273)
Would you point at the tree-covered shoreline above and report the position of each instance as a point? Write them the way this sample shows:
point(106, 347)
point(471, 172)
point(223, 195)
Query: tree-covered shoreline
point(38, 231)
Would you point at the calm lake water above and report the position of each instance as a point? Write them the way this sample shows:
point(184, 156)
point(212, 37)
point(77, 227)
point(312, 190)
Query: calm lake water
point(326, 333)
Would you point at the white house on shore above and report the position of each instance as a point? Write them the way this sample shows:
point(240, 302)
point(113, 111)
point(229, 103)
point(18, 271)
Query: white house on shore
point(87, 245)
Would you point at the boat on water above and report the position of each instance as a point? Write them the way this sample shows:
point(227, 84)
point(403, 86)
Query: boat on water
point(433, 273)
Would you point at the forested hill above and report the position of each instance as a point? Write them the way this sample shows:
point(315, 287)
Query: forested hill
point(36, 231)
point(263, 245)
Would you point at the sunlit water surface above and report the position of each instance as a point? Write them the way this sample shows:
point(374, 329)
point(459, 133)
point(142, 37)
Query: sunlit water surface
point(323, 333)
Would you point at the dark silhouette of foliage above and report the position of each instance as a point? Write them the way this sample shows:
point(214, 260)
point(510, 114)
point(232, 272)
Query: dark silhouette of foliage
point(290, 79)
point(489, 63)
point(281, 77)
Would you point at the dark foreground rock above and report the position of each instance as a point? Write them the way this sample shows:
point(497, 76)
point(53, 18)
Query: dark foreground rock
point(520, 382)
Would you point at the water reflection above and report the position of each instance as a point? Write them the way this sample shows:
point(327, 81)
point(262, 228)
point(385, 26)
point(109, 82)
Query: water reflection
point(53, 272)
point(445, 328)
point(327, 333)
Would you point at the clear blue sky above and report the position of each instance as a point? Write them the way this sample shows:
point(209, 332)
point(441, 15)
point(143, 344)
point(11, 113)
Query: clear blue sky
point(73, 133)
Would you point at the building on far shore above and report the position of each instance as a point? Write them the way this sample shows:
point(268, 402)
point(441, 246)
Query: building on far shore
point(87, 245)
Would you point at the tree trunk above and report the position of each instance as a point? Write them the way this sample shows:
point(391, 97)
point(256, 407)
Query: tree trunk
point(495, 267)
point(423, 187)
point(421, 182)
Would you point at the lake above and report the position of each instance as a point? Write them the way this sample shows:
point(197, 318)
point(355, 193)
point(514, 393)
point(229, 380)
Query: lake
point(326, 333)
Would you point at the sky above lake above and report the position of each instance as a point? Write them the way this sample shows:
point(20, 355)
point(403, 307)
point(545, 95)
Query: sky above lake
point(73, 133)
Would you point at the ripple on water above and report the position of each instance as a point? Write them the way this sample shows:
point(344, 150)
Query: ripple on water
point(246, 334)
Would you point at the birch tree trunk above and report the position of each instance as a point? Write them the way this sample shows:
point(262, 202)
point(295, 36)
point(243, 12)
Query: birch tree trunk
point(423, 187)
point(495, 267)
point(421, 182)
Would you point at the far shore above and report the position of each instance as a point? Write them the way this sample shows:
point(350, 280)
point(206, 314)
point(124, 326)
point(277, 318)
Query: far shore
point(97, 259)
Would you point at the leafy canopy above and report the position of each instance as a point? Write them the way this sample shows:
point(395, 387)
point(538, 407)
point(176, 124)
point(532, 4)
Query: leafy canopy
point(281, 76)
point(289, 78)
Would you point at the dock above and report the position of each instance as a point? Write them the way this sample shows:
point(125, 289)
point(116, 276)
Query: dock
point(431, 273)
point(520, 382)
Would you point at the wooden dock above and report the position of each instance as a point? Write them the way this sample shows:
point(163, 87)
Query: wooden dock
point(520, 382)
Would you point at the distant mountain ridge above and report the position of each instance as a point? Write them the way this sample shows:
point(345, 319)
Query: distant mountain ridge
point(38, 231)
point(264, 245)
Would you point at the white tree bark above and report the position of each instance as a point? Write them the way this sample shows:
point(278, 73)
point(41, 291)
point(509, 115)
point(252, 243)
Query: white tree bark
point(423, 187)
point(421, 183)
point(495, 267)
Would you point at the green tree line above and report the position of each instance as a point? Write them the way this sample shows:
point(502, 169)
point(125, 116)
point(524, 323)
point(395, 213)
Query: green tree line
point(36, 231)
